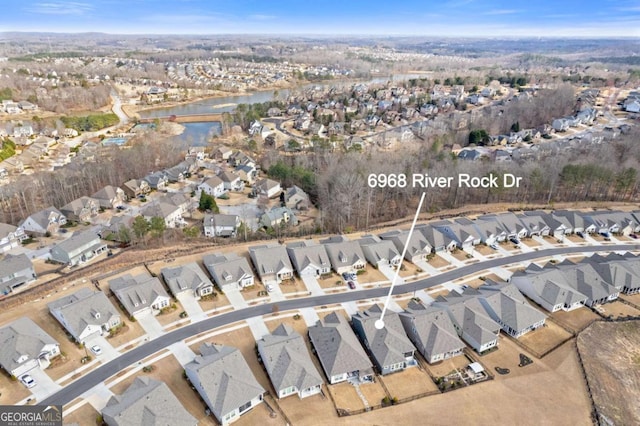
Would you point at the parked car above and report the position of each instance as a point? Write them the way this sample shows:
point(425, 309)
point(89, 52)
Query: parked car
point(351, 285)
point(514, 240)
point(494, 246)
point(580, 234)
point(97, 350)
point(269, 287)
point(28, 381)
point(634, 236)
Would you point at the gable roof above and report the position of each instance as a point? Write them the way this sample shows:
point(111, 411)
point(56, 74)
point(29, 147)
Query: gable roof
point(305, 253)
point(42, 217)
point(287, 360)
point(433, 329)
point(185, 277)
point(337, 346)
point(81, 308)
point(343, 252)
point(225, 378)
point(80, 240)
point(21, 337)
point(388, 344)
point(146, 402)
point(137, 292)
point(471, 317)
point(226, 267)
point(509, 305)
point(416, 245)
point(270, 259)
point(376, 249)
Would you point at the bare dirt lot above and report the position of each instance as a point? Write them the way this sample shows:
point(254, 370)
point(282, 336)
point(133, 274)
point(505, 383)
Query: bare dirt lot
point(86, 415)
point(618, 309)
point(611, 356)
point(577, 319)
point(545, 338)
point(410, 382)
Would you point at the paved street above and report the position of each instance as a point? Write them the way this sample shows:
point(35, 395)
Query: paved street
point(100, 374)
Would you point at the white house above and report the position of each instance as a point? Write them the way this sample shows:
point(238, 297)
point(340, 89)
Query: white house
point(213, 186)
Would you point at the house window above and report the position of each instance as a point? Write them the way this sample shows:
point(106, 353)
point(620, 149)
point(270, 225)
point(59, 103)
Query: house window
point(244, 407)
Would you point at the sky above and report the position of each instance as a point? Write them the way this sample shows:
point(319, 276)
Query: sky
point(482, 18)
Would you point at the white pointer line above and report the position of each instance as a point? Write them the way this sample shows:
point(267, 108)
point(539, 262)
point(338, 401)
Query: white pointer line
point(379, 324)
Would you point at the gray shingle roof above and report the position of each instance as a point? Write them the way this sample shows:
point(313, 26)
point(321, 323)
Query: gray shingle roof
point(270, 259)
point(21, 337)
point(80, 309)
point(376, 249)
point(343, 252)
point(305, 253)
point(146, 402)
point(416, 246)
point(433, 329)
point(80, 240)
point(510, 306)
point(225, 377)
point(185, 277)
point(227, 267)
point(387, 345)
point(287, 360)
point(12, 264)
point(137, 293)
point(337, 346)
point(471, 317)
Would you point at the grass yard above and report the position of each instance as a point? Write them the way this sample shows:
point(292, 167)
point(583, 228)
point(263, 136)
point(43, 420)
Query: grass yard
point(292, 286)
point(634, 299)
point(620, 310)
point(409, 270)
point(442, 368)
point(172, 315)
point(11, 391)
point(311, 410)
point(86, 415)
point(131, 330)
point(371, 275)
point(373, 392)
point(438, 262)
point(545, 338)
point(260, 415)
point(346, 398)
point(508, 356)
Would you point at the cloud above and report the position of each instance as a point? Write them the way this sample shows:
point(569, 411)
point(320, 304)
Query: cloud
point(260, 17)
point(501, 12)
point(60, 8)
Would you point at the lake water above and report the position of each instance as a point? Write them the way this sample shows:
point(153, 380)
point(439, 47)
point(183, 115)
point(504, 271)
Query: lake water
point(199, 134)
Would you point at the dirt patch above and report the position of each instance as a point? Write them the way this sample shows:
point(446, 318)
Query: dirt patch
point(260, 415)
point(330, 281)
point(371, 275)
point(447, 366)
point(410, 382)
point(545, 338)
point(130, 331)
point(409, 270)
point(346, 398)
point(575, 320)
point(11, 391)
point(86, 415)
point(309, 410)
point(618, 309)
point(633, 299)
point(611, 356)
point(294, 285)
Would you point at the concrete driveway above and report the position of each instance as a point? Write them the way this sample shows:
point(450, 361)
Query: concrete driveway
point(312, 285)
point(45, 385)
point(150, 325)
point(191, 306)
point(108, 351)
point(236, 299)
point(389, 272)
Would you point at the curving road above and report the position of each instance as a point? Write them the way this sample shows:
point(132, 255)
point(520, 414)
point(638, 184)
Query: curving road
point(102, 373)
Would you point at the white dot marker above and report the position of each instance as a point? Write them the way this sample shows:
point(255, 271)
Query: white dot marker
point(379, 324)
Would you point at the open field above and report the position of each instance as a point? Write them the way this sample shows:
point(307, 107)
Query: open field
point(577, 319)
point(513, 400)
point(611, 356)
point(545, 338)
point(410, 382)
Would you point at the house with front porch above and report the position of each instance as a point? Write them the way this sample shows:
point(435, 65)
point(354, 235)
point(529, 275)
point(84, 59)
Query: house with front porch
point(140, 294)
point(85, 313)
point(379, 252)
point(272, 263)
point(345, 255)
point(47, 220)
point(418, 248)
point(229, 271)
point(24, 346)
point(309, 258)
point(187, 279)
point(81, 247)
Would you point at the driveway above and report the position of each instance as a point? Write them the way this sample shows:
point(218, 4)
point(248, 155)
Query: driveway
point(182, 352)
point(150, 325)
point(388, 272)
point(45, 385)
point(236, 299)
point(191, 306)
point(108, 351)
point(312, 285)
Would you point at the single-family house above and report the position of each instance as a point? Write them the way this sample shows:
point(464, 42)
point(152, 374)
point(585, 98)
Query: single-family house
point(296, 198)
point(511, 224)
point(272, 263)
point(141, 294)
point(146, 402)
point(81, 209)
point(15, 272)
point(278, 217)
point(157, 180)
point(224, 380)
point(85, 313)
point(187, 279)
point(221, 225)
point(11, 237)
point(247, 173)
point(213, 186)
point(136, 187)
point(345, 255)
point(289, 364)
point(431, 331)
point(229, 271)
point(418, 248)
point(470, 320)
point(337, 347)
point(222, 153)
point(170, 213)
point(24, 346)
point(437, 236)
point(231, 180)
point(390, 348)
point(576, 221)
point(81, 247)
point(120, 229)
point(309, 258)
point(110, 197)
point(622, 271)
point(268, 188)
point(534, 224)
point(506, 306)
point(379, 252)
point(490, 230)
